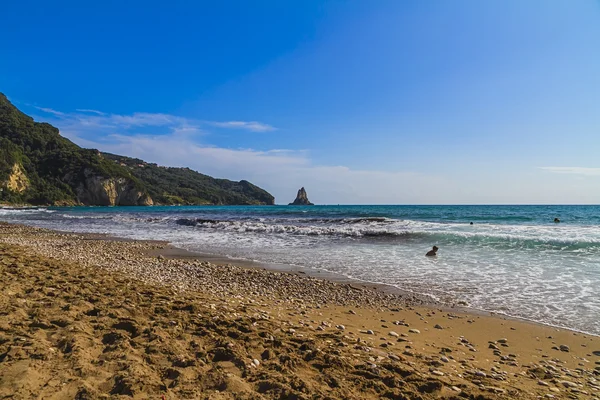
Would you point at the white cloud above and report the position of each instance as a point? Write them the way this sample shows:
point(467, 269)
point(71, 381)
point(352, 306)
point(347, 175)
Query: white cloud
point(174, 141)
point(51, 111)
point(584, 171)
point(180, 142)
point(87, 110)
point(82, 121)
point(252, 126)
point(281, 171)
point(147, 119)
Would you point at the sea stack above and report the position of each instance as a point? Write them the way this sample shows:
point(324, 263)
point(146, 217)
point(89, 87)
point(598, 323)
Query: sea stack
point(301, 199)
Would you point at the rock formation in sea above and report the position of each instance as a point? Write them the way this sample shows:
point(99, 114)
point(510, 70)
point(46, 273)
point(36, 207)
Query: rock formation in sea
point(301, 199)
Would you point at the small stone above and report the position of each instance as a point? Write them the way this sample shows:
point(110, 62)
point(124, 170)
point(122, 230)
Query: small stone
point(542, 383)
point(266, 354)
point(340, 327)
point(503, 340)
point(573, 390)
point(564, 347)
point(256, 362)
point(480, 373)
point(438, 326)
point(456, 389)
point(568, 384)
point(444, 359)
point(414, 331)
point(352, 312)
point(438, 373)
point(394, 334)
point(370, 332)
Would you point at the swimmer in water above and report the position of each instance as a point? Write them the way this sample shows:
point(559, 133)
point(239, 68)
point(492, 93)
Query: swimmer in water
point(556, 220)
point(432, 252)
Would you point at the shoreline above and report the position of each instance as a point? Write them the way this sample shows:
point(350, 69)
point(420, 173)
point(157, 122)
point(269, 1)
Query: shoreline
point(93, 316)
point(178, 253)
point(170, 251)
point(173, 252)
point(454, 282)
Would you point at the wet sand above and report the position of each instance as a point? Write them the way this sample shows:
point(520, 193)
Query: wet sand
point(91, 318)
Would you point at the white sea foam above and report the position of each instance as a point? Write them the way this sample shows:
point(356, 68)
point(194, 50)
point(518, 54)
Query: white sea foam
point(553, 235)
point(23, 211)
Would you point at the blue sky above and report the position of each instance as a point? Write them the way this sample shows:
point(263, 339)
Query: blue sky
point(358, 101)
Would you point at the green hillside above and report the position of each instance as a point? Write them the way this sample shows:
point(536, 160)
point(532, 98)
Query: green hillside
point(40, 167)
point(168, 185)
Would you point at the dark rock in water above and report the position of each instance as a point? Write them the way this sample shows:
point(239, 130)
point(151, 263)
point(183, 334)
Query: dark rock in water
point(301, 199)
point(186, 222)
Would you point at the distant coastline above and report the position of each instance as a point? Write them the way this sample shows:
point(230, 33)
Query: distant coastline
point(78, 176)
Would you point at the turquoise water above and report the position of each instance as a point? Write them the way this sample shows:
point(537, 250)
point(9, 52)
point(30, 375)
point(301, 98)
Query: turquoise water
point(513, 259)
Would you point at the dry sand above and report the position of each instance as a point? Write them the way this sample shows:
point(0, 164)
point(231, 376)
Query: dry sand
point(82, 318)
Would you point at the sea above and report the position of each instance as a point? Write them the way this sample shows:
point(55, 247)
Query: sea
point(513, 260)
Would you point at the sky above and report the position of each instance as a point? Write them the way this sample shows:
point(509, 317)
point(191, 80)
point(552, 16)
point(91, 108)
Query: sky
point(360, 102)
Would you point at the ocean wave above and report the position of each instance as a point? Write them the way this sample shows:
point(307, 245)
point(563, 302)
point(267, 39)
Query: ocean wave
point(578, 238)
point(71, 216)
point(512, 240)
point(484, 234)
point(241, 226)
point(21, 211)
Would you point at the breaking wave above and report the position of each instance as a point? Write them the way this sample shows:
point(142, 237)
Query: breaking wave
point(486, 234)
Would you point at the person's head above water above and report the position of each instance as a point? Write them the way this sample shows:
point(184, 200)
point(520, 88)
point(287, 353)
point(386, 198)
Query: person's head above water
point(556, 220)
point(432, 252)
point(471, 223)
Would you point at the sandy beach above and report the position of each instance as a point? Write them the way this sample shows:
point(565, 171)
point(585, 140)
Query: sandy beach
point(90, 317)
